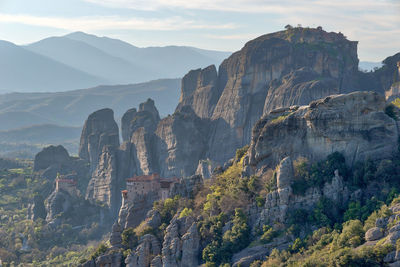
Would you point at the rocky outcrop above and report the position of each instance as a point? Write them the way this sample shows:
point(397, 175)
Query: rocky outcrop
point(58, 202)
point(373, 234)
point(187, 187)
point(104, 187)
point(354, 125)
point(115, 237)
point(147, 117)
point(181, 243)
point(112, 259)
point(218, 110)
point(387, 78)
point(132, 214)
point(302, 64)
point(55, 160)
point(206, 168)
point(181, 140)
point(51, 155)
point(181, 246)
point(37, 209)
point(299, 87)
point(282, 200)
point(148, 247)
point(99, 130)
point(200, 91)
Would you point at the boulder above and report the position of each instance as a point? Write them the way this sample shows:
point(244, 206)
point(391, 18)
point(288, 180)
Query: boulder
point(373, 234)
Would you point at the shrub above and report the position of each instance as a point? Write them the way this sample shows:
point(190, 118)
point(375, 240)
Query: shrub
point(167, 208)
point(129, 238)
point(101, 249)
point(268, 234)
point(241, 152)
point(260, 201)
point(185, 212)
point(352, 234)
point(317, 174)
point(297, 245)
point(389, 110)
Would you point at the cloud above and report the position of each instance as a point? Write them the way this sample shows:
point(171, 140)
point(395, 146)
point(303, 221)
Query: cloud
point(251, 6)
point(248, 36)
point(112, 23)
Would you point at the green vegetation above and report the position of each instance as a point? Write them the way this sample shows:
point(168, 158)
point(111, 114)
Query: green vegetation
point(129, 238)
point(281, 117)
point(35, 242)
point(389, 110)
point(317, 174)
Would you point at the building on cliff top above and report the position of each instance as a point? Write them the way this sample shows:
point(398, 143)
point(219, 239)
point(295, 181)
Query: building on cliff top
point(140, 186)
point(66, 184)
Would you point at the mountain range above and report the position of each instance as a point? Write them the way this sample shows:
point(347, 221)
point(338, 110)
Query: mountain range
point(79, 60)
point(28, 121)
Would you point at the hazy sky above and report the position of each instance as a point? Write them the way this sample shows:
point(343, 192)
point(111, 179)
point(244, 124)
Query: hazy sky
point(211, 24)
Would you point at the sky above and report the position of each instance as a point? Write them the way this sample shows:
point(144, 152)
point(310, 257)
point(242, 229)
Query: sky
point(214, 24)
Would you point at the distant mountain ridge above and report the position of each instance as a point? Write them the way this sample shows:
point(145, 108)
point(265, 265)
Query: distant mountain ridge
point(24, 70)
point(79, 60)
point(71, 108)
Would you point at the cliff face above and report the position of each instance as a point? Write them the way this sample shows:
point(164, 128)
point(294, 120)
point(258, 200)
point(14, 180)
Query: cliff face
point(200, 90)
point(147, 117)
point(104, 187)
point(100, 147)
point(389, 77)
point(354, 125)
point(99, 130)
point(275, 70)
point(218, 110)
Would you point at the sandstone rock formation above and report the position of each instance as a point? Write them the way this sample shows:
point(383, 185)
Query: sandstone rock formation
point(99, 130)
point(200, 91)
point(386, 79)
point(104, 187)
point(302, 59)
point(115, 237)
point(57, 203)
point(55, 160)
point(148, 247)
point(354, 125)
point(37, 209)
point(280, 201)
point(218, 110)
point(114, 259)
point(181, 243)
point(51, 155)
point(147, 117)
